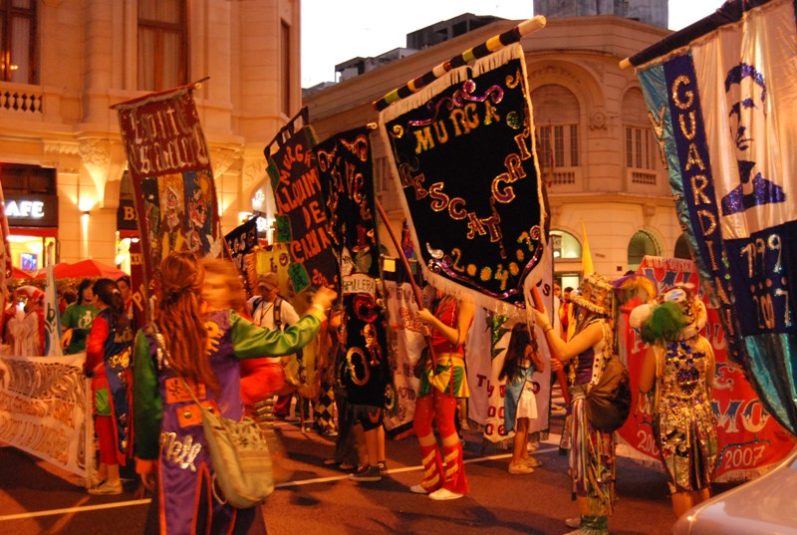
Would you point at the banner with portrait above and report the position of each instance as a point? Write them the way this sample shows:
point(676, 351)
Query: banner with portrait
point(302, 220)
point(462, 153)
point(46, 410)
point(750, 441)
point(170, 169)
point(722, 100)
point(242, 241)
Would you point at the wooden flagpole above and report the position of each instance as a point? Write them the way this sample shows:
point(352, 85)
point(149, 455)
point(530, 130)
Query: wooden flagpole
point(406, 263)
point(479, 51)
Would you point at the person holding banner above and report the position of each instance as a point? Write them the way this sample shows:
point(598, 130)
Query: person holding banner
point(443, 382)
point(679, 369)
point(520, 406)
point(185, 343)
point(108, 348)
point(592, 455)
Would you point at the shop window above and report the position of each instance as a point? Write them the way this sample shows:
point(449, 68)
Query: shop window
point(162, 44)
point(18, 52)
point(682, 249)
point(565, 246)
point(642, 243)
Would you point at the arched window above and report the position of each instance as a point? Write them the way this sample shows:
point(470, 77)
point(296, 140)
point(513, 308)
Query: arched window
point(556, 113)
point(682, 249)
point(641, 149)
point(642, 243)
point(565, 246)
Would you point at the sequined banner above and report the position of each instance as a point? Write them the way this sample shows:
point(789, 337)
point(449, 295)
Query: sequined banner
point(346, 174)
point(302, 221)
point(462, 155)
point(723, 104)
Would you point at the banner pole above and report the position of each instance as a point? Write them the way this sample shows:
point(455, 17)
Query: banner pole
point(406, 263)
point(479, 51)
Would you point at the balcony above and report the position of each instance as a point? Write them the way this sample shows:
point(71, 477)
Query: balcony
point(22, 98)
point(563, 179)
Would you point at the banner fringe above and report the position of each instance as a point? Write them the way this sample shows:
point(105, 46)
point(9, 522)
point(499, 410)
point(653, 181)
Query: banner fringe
point(416, 100)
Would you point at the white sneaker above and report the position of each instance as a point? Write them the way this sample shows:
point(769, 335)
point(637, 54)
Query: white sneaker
point(574, 522)
point(418, 489)
point(445, 494)
point(107, 489)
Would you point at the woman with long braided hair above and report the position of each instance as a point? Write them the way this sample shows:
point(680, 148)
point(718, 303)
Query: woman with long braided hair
point(200, 348)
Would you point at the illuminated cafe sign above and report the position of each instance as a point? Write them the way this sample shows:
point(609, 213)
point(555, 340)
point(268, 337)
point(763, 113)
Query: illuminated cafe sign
point(31, 210)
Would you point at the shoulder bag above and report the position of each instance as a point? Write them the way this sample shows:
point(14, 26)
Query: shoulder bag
point(239, 452)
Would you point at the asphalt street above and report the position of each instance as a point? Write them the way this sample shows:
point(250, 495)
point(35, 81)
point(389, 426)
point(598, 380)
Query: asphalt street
point(36, 498)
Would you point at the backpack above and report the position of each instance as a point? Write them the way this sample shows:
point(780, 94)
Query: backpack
point(609, 401)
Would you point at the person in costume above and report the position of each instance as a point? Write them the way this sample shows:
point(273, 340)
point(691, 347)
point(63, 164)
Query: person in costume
point(591, 460)
point(443, 381)
point(679, 369)
point(77, 319)
point(520, 406)
point(26, 327)
point(108, 349)
point(204, 349)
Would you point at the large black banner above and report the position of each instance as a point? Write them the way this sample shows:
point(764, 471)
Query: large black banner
point(463, 156)
point(302, 221)
point(346, 173)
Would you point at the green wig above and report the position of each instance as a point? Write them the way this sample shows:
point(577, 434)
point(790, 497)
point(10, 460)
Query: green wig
point(664, 324)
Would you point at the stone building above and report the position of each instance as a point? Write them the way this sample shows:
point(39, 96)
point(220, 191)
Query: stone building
point(595, 145)
point(64, 62)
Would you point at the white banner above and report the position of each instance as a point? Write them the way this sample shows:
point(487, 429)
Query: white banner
point(405, 333)
point(45, 409)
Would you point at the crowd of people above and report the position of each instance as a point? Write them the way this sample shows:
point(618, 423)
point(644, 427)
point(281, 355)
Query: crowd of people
point(207, 335)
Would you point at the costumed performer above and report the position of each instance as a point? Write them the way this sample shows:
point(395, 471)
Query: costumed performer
point(204, 350)
point(679, 369)
point(443, 381)
point(591, 460)
point(108, 359)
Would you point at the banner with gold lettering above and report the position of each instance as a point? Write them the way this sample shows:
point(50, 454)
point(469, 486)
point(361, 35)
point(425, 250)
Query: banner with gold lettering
point(302, 215)
point(722, 100)
point(169, 165)
point(751, 442)
point(45, 409)
point(462, 154)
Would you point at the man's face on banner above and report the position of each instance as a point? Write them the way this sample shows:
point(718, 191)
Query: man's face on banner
point(746, 98)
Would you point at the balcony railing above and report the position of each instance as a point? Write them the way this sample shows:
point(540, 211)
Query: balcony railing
point(647, 178)
point(21, 98)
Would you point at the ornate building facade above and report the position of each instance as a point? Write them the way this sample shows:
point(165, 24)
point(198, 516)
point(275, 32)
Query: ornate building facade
point(65, 62)
point(596, 148)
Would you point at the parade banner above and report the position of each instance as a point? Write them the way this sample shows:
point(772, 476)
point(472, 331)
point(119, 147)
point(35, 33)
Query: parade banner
point(462, 154)
point(138, 297)
point(751, 442)
point(169, 165)
point(345, 172)
point(241, 241)
point(407, 343)
point(722, 100)
point(45, 409)
point(52, 318)
point(302, 216)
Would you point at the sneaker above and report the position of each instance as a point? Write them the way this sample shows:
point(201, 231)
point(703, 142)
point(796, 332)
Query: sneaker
point(382, 465)
point(531, 461)
point(445, 494)
point(107, 489)
point(418, 489)
point(574, 522)
point(520, 468)
point(94, 481)
point(366, 473)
